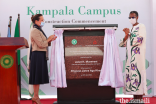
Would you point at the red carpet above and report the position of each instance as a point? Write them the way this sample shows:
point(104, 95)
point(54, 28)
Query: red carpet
point(50, 101)
point(43, 101)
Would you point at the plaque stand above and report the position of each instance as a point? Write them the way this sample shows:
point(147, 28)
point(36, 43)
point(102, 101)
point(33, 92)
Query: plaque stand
point(85, 92)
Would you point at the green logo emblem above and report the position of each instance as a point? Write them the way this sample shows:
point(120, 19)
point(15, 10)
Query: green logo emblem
point(74, 41)
point(7, 61)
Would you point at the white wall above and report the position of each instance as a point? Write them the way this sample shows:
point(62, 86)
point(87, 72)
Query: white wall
point(153, 23)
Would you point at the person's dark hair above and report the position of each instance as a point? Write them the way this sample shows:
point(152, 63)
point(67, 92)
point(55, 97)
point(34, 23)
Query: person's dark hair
point(36, 17)
point(135, 13)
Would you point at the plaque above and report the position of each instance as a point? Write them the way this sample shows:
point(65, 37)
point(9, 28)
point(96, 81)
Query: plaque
point(83, 54)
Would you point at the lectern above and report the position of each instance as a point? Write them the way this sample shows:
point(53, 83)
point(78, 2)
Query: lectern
point(84, 47)
point(9, 84)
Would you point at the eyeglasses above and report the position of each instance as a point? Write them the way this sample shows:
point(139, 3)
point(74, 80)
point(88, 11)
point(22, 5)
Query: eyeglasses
point(131, 17)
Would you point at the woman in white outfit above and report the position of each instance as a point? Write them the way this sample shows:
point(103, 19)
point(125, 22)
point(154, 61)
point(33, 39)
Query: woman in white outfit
point(135, 73)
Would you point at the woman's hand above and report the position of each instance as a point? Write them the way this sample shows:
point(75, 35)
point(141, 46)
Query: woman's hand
point(54, 38)
point(126, 30)
point(51, 38)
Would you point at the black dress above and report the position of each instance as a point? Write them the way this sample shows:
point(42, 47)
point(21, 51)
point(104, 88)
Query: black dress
point(38, 66)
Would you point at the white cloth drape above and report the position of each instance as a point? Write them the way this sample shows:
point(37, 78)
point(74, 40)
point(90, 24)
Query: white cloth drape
point(111, 71)
point(57, 64)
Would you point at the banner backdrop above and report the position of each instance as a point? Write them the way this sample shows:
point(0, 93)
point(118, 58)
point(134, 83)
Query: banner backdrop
point(58, 12)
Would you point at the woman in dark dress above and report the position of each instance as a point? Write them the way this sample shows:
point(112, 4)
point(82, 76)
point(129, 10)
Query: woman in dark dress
point(39, 56)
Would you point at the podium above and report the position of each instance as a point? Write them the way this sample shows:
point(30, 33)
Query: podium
point(84, 47)
point(9, 84)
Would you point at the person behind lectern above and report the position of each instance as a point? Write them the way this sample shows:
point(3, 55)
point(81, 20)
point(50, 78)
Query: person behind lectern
point(135, 73)
point(39, 56)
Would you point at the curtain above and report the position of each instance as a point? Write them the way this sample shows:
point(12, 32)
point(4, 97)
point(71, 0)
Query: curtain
point(111, 71)
point(57, 64)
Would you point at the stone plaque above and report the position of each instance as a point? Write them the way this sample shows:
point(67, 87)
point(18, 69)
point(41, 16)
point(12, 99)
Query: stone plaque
point(83, 56)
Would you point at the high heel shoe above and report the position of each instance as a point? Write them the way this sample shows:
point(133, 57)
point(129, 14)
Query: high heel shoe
point(37, 101)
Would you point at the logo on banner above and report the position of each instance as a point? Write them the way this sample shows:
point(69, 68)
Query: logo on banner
point(74, 41)
point(95, 42)
point(7, 61)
